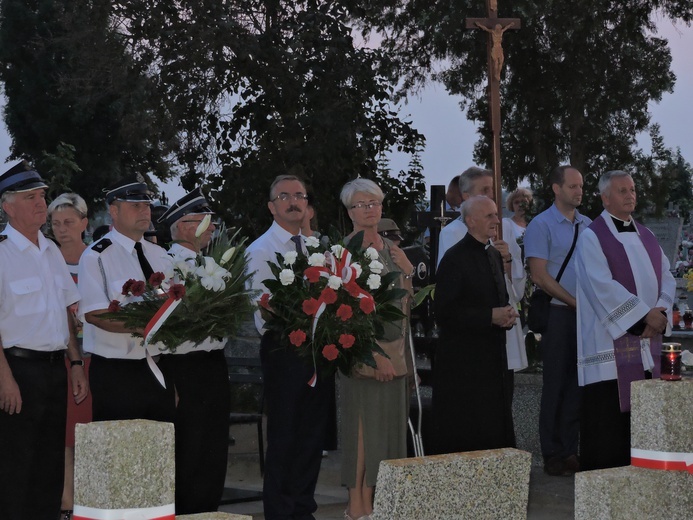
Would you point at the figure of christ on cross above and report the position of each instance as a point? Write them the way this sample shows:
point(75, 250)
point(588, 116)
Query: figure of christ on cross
point(495, 27)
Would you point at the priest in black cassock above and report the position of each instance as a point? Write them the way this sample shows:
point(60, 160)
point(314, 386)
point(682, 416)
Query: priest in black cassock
point(472, 397)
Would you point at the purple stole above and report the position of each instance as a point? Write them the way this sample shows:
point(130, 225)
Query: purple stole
point(629, 365)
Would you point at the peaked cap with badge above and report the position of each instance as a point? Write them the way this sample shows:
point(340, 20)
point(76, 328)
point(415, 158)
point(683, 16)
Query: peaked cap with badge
point(194, 203)
point(128, 190)
point(21, 177)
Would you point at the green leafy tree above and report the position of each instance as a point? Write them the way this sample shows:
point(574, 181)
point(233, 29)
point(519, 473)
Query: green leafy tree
point(262, 88)
point(70, 84)
point(577, 82)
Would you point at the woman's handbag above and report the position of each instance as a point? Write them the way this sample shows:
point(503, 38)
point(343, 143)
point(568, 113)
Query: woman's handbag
point(538, 313)
point(540, 301)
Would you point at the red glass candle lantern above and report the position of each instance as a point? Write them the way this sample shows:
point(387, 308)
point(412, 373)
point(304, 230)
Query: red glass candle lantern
point(671, 361)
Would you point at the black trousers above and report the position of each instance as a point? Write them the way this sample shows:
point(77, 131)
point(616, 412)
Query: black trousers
point(124, 389)
point(296, 420)
point(202, 429)
point(604, 429)
point(32, 442)
point(559, 416)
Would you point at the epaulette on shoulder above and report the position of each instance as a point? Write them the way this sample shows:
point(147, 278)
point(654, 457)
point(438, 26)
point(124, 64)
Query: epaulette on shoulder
point(3, 238)
point(101, 245)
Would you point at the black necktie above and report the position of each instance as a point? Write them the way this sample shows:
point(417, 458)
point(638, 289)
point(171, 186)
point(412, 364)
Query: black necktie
point(296, 239)
point(144, 263)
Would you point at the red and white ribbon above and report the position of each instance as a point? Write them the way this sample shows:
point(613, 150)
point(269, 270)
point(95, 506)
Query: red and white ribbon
point(670, 461)
point(342, 268)
point(152, 328)
point(167, 512)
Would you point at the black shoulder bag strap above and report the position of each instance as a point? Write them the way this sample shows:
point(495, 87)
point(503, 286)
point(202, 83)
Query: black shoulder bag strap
point(570, 253)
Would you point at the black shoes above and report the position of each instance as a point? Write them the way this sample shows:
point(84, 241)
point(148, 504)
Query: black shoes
point(562, 467)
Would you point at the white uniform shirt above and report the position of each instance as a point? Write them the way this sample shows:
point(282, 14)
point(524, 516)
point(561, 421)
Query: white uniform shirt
point(99, 288)
point(450, 235)
point(209, 344)
point(275, 240)
point(35, 291)
point(605, 309)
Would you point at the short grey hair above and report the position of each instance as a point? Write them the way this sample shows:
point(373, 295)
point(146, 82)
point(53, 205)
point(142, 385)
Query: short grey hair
point(468, 206)
point(280, 178)
point(8, 196)
point(468, 176)
point(605, 180)
point(68, 200)
point(351, 188)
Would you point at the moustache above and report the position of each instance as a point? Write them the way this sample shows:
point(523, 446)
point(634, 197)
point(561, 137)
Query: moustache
point(293, 208)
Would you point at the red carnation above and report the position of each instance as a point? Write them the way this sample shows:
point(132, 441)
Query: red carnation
point(297, 337)
point(310, 307)
point(328, 295)
point(344, 312)
point(156, 278)
point(264, 301)
point(138, 288)
point(114, 306)
point(127, 286)
point(330, 352)
point(346, 340)
point(367, 305)
point(176, 291)
point(312, 274)
point(353, 289)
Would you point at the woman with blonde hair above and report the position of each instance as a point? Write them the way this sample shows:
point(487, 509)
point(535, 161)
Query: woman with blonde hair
point(375, 404)
point(67, 217)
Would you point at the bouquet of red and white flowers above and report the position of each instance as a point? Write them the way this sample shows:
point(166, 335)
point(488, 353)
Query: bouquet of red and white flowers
point(331, 304)
point(197, 298)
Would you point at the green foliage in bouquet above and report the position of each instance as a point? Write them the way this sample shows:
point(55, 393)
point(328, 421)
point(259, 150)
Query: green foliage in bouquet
point(331, 304)
point(211, 289)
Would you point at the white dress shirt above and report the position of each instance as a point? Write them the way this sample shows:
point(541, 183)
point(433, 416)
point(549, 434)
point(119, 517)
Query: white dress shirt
point(264, 249)
point(35, 291)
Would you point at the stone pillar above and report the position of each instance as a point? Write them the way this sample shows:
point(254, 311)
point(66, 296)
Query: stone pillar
point(477, 484)
point(124, 465)
point(661, 419)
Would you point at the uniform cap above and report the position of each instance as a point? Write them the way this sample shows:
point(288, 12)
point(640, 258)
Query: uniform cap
point(21, 178)
point(193, 203)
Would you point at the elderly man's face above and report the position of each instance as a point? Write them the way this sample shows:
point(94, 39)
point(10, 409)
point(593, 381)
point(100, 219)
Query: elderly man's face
point(27, 209)
point(288, 213)
point(481, 186)
point(483, 219)
point(620, 198)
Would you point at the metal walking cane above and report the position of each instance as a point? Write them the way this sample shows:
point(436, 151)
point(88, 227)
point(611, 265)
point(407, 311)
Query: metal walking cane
point(417, 440)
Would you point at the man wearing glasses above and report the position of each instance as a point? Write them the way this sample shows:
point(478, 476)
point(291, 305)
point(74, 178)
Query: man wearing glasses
point(296, 412)
point(202, 381)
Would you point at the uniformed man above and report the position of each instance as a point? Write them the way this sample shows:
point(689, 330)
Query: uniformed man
point(122, 381)
point(202, 382)
point(36, 291)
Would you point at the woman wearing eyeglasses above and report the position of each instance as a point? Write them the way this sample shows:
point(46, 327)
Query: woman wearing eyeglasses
point(67, 216)
point(375, 403)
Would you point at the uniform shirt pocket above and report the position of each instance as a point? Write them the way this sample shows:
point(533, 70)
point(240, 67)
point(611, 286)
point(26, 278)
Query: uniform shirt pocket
point(27, 296)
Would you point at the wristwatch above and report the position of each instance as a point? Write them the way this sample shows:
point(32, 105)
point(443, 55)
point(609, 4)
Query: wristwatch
point(77, 363)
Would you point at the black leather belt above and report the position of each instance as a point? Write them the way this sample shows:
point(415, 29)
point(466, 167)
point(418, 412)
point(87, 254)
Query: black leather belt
point(25, 353)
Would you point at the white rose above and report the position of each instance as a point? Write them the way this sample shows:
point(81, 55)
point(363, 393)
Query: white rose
point(312, 242)
point(337, 250)
point(373, 282)
point(334, 282)
point(376, 267)
point(286, 276)
point(371, 253)
point(316, 260)
point(290, 257)
point(357, 268)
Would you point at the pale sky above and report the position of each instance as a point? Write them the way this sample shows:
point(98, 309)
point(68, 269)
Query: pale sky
point(450, 137)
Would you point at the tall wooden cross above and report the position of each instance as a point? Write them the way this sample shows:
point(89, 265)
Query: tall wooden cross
point(495, 27)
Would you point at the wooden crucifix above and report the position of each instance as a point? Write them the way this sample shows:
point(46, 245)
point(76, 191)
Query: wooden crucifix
point(495, 27)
